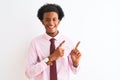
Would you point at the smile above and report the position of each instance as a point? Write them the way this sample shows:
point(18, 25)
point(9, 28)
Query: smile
point(51, 27)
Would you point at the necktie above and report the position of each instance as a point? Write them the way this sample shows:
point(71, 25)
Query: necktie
point(53, 73)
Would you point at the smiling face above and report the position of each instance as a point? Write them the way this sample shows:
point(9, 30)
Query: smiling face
point(51, 22)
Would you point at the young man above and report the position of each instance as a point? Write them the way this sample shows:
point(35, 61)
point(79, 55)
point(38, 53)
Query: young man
point(41, 59)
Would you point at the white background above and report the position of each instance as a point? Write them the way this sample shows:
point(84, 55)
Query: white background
point(96, 23)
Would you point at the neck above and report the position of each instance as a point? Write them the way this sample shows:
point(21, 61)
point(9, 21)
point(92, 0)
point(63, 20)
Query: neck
point(53, 34)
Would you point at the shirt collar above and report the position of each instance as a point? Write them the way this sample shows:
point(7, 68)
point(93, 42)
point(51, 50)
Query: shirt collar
point(49, 37)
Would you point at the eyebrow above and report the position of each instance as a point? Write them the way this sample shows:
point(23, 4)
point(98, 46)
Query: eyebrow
point(50, 18)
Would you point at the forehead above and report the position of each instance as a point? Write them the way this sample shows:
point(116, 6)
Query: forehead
point(50, 14)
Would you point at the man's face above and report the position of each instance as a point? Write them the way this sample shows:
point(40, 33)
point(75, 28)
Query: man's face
point(51, 21)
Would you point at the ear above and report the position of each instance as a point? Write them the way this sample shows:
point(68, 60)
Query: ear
point(58, 21)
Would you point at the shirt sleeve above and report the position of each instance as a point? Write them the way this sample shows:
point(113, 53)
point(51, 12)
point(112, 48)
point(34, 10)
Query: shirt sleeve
point(73, 69)
point(34, 66)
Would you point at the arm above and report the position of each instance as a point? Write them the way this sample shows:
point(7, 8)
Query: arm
point(74, 69)
point(34, 66)
point(74, 58)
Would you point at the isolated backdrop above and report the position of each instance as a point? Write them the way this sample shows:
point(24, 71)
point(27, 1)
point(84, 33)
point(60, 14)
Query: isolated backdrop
point(96, 23)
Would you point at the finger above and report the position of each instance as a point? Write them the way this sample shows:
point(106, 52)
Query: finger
point(61, 43)
point(77, 45)
point(71, 52)
point(78, 53)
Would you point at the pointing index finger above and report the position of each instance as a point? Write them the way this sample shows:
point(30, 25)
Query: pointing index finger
point(61, 43)
point(77, 45)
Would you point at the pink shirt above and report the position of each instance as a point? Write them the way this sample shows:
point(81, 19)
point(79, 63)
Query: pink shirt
point(39, 50)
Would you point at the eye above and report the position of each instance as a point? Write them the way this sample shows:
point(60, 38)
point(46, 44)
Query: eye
point(55, 19)
point(47, 20)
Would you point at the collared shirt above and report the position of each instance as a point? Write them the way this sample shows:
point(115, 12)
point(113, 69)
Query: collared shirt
point(40, 49)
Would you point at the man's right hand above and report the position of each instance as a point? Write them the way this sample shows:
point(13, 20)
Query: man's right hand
point(59, 52)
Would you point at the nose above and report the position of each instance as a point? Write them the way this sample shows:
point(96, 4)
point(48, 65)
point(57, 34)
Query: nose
point(51, 23)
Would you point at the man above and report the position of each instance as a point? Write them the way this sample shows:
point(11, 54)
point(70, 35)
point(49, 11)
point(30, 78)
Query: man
point(64, 57)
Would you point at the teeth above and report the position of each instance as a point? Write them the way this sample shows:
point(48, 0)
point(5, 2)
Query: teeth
point(51, 26)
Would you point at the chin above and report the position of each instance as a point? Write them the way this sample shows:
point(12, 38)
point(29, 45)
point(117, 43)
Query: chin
point(50, 32)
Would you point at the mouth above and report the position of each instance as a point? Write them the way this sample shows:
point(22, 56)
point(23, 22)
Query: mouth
point(51, 27)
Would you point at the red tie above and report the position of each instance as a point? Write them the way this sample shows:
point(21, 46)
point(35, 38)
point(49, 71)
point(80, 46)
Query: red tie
point(53, 73)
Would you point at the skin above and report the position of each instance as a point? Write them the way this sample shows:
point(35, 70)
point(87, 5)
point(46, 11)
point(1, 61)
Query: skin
point(51, 22)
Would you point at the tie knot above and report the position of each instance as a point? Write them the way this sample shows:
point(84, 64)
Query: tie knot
point(52, 40)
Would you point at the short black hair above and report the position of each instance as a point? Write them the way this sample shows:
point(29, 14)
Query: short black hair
point(50, 8)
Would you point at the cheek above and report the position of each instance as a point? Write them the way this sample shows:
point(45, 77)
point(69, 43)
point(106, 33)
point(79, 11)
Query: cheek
point(57, 23)
point(44, 24)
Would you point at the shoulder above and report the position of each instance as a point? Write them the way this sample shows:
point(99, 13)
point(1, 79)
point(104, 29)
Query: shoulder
point(67, 38)
point(37, 38)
